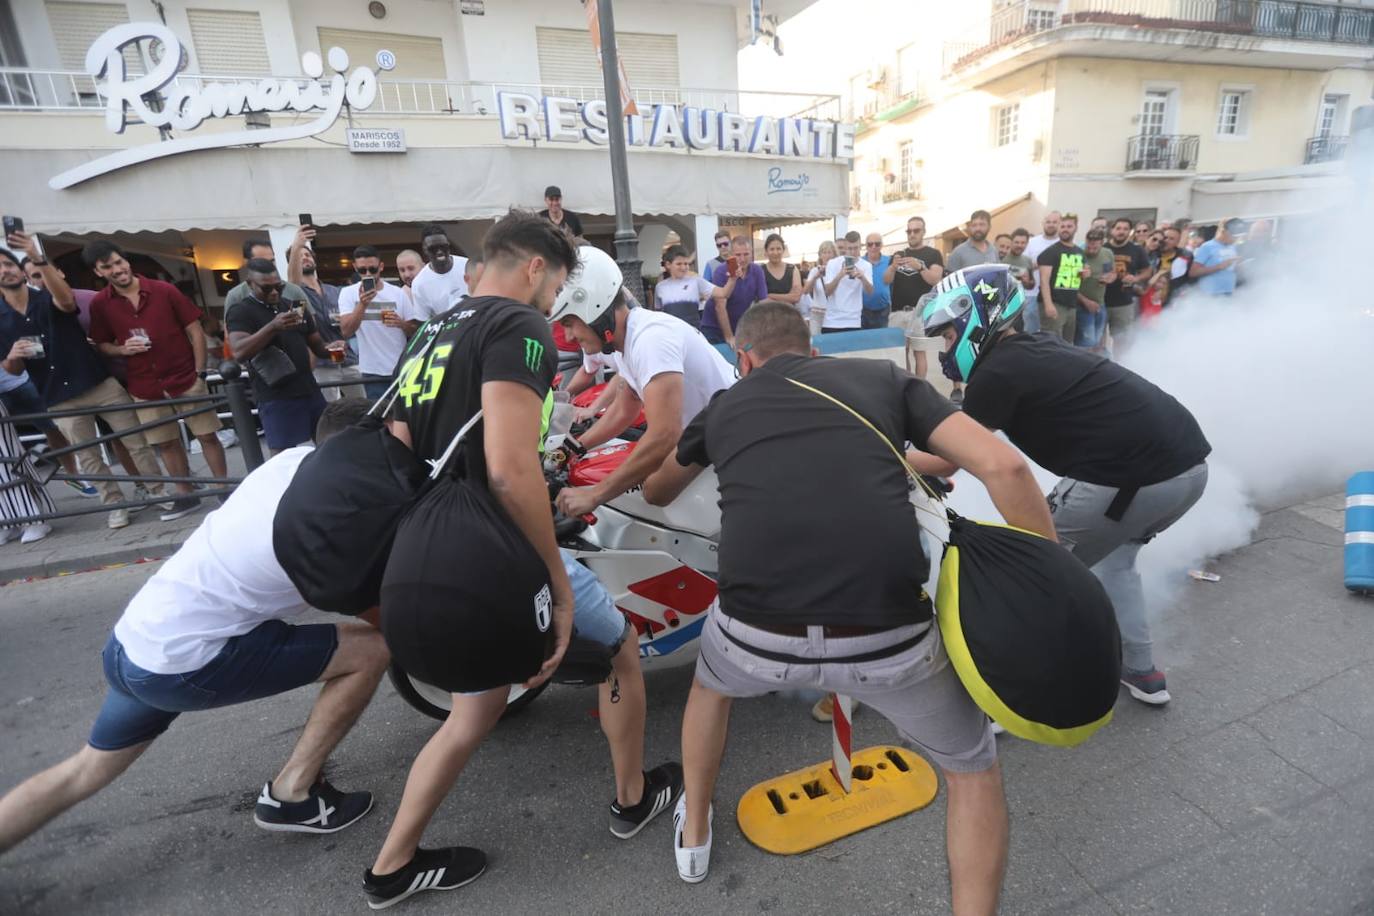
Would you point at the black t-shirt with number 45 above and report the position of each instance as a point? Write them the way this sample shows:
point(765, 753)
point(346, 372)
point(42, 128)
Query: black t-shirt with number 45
point(486, 339)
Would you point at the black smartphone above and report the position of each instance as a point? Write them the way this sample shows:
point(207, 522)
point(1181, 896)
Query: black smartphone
point(307, 220)
point(13, 224)
point(369, 284)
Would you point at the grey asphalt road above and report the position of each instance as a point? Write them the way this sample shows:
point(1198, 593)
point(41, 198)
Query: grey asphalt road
point(1252, 793)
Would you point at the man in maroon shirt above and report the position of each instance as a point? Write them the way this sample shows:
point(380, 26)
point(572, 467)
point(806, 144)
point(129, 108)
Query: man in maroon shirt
point(166, 361)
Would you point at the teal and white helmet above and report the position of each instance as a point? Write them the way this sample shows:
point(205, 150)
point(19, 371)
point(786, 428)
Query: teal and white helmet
point(979, 303)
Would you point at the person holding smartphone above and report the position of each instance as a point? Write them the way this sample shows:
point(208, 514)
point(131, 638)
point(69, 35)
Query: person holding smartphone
point(847, 279)
point(374, 313)
point(739, 284)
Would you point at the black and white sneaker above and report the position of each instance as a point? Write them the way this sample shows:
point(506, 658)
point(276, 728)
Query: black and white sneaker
point(180, 508)
point(430, 870)
point(326, 810)
point(662, 786)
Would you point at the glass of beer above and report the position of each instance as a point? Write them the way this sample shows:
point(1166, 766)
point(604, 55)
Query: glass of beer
point(337, 349)
point(388, 315)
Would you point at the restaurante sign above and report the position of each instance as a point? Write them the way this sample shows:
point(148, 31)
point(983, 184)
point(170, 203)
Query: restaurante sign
point(160, 98)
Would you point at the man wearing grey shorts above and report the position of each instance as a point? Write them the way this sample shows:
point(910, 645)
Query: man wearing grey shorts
point(823, 586)
point(1132, 459)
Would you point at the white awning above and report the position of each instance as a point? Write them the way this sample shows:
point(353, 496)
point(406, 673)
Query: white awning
point(254, 187)
point(1266, 197)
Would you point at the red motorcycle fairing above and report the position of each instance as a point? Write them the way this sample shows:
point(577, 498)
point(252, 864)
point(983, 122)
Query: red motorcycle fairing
point(598, 464)
point(587, 397)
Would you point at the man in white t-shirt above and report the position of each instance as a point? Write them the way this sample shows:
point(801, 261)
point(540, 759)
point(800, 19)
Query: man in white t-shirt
point(376, 313)
point(1034, 248)
point(209, 630)
point(669, 371)
point(440, 283)
point(847, 278)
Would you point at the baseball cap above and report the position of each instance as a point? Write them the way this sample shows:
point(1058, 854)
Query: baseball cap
point(466, 600)
point(553, 190)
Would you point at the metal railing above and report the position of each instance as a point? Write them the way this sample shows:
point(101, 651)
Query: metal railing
point(1291, 19)
point(1325, 149)
point(67, 90)
point(1162, 153)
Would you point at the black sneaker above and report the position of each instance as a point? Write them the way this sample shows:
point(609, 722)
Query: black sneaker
point(180, 508)
point(430, 870)
point(662, 786)
point(326, 810)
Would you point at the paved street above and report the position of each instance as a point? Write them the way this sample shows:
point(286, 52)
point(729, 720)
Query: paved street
point(1252, 793)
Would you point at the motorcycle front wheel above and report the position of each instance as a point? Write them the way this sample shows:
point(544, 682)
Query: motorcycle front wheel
point(436, 703)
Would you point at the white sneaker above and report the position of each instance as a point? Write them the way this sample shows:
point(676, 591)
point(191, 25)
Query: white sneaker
point(119, 518)
point(692, 861)
point(8, 534)
point(35, 532)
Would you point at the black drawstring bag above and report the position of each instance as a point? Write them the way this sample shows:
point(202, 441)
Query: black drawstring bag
point(466, 603)
point(334, 525)
point(1028, 628)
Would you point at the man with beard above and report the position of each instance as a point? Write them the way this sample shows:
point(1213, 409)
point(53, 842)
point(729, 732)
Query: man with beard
point(157, 331)
point(1132, 267)
point(976, 249)
point(1061, 275)
point(323, 297)
point(441, 283)
point(66, 371)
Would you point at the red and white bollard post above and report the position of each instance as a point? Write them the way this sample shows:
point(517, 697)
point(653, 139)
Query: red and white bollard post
point(842, 740)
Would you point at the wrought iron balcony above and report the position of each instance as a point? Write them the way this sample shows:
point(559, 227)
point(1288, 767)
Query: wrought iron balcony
point(1162, 153)
point(1325, 149)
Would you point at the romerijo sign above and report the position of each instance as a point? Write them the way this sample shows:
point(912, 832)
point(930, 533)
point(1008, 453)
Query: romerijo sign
point(186, 104)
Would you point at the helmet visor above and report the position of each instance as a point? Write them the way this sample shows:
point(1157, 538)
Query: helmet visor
point(946, 309)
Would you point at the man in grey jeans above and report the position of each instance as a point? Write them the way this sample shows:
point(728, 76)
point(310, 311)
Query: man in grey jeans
point(1132, 459)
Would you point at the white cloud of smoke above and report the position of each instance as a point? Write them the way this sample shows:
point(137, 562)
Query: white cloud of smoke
point(1281, 379)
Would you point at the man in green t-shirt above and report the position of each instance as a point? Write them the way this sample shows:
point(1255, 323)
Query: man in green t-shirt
point(1099, 271)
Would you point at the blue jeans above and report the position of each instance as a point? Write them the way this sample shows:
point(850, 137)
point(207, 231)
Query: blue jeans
point(288, 422)
point(1090, 327)
point(595, 615)
point(269, 659)
point(874, 318)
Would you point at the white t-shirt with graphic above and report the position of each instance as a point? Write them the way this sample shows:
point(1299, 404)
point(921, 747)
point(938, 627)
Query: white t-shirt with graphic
point(656, 343)
point(379, 347)
point(697, 290)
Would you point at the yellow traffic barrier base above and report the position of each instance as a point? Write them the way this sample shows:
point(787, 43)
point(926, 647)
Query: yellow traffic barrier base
point(808, 808)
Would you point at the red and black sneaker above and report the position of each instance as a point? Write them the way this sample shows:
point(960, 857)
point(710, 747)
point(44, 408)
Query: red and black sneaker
point(1146, 686)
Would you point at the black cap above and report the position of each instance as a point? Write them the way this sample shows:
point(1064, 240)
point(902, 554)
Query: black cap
point(466, 603)
point(553, 190)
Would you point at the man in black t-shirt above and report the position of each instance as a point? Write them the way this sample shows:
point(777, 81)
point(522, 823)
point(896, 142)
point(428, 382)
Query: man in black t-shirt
point(263, 327)
point(1061, 274)
point(1132, 268)
point(1132, 459)
point(915, 269)
point(811, 577)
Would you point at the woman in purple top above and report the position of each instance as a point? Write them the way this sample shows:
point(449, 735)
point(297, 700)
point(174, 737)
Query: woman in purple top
point(735, 292)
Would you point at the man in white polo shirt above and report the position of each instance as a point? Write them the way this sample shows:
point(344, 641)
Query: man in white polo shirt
point(669, 371)
point(847, 279)
point(375, 312)
point(440, 283)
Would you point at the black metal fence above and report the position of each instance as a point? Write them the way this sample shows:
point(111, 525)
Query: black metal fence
point(232, 401)
point(1325, 149)
point(1161, 153)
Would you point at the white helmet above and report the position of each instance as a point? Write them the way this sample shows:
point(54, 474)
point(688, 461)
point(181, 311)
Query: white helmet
point(591, 287)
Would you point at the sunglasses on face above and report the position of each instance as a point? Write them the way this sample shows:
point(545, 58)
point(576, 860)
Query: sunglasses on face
point(723, 243)
point(271, 287)
point(874, 244)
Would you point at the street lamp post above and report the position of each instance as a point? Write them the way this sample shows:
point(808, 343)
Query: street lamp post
point(626, 242)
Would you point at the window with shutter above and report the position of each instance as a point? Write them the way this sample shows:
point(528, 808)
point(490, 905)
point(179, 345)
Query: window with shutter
point(417, 58)
point(76, 26)
point(568, 65)
point(229, 41)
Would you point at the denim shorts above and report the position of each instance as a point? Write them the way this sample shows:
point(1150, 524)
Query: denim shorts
point(269, 659)
point(595, 616)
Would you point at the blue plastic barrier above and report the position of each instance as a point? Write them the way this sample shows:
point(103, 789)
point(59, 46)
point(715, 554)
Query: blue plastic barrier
point(1359, 532)
point(850, 342)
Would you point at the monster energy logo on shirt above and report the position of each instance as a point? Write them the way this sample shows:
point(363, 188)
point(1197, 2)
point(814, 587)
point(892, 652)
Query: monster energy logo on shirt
point(534, 353)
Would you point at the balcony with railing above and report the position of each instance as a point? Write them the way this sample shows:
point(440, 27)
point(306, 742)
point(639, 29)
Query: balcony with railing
point(1161, 153)
point(1019, 23)
point(23, 89)
point(1325, 149)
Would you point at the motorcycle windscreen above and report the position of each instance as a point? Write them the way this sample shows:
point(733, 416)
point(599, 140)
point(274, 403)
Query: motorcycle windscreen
point(1030, 632)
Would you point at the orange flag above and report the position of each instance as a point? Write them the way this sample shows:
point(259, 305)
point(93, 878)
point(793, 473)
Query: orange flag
point(627, 101)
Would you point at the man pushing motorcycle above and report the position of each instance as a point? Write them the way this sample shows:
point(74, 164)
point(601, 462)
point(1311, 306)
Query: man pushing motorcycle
point(669, 370)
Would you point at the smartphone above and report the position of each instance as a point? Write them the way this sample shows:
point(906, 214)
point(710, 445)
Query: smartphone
point(731, 266)
point(306, 219)
point(369, 284)
point(850, 261)
point(13, 224)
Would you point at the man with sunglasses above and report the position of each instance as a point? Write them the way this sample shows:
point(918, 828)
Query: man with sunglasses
point(440, 284)
point(375, 312)
point(722, 255)
point(263, 324)
point(878, 300)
